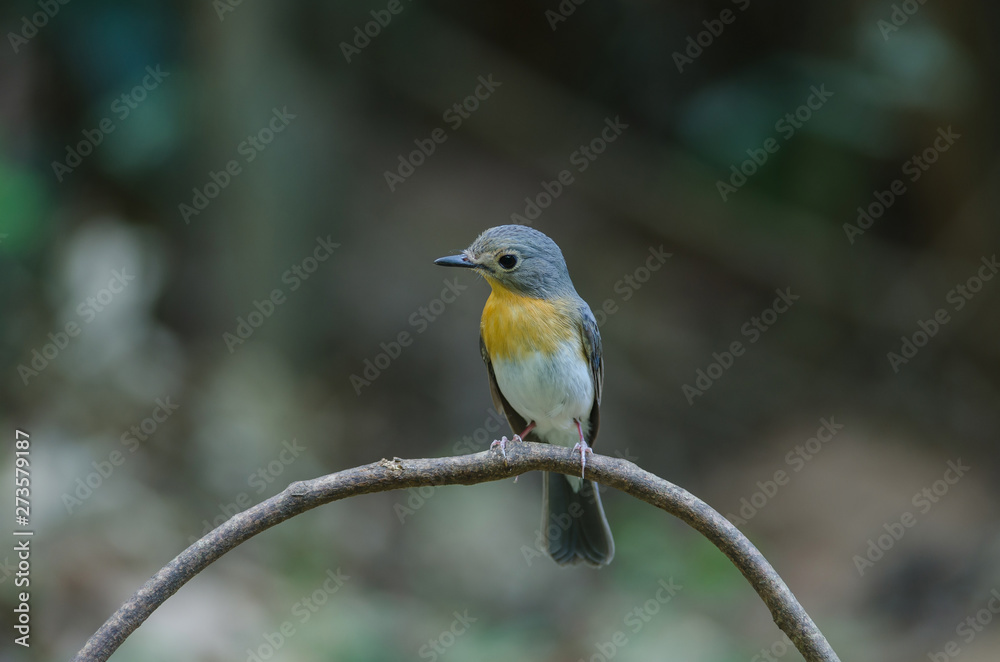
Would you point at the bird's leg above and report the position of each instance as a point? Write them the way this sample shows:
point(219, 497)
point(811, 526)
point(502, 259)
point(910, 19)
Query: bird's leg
point(583, 448)
point(520, 437)
point(502, 442)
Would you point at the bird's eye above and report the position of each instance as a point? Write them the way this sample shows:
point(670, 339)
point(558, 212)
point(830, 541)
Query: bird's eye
point(507, 261)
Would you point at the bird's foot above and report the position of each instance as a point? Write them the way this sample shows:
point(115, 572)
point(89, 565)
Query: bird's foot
point(502, 442)
point(584, 448)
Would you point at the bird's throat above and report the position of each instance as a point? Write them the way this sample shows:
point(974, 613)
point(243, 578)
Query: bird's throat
point(514, 325)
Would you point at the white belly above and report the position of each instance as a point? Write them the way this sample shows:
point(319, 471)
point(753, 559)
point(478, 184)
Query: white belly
point(552, 390)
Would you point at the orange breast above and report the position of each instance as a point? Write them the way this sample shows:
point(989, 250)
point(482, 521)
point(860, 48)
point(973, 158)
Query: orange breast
point(514, 325)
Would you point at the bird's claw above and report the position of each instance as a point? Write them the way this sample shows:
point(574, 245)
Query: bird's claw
point(584, 448)
point(502, 442)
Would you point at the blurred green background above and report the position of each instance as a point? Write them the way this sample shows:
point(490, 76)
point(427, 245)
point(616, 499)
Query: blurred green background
point(171, 173)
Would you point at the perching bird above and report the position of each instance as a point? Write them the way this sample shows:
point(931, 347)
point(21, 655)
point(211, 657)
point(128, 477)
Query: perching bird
point(542, 350)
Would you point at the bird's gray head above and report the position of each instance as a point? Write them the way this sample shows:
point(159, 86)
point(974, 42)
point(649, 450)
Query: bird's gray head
point(517, 258)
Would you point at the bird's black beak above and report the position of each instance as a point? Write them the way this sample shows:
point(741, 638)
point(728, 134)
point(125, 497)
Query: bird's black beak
point(455, 261)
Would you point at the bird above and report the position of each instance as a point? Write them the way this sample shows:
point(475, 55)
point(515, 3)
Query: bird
point(542, 349)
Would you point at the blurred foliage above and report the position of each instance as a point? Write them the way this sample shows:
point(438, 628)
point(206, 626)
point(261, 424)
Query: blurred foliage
point(193, 278)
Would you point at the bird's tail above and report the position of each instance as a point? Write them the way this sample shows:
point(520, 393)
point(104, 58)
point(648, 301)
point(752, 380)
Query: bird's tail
point(573, 522)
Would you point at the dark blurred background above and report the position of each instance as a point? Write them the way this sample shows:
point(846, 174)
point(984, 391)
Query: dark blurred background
point(213, 215)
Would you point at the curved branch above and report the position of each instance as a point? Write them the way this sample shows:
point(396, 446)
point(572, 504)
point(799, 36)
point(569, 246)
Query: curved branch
point(482, 467)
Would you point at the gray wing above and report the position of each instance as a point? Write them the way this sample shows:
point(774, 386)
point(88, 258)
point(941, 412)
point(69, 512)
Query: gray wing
point(592, 349)
point(514, 420)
